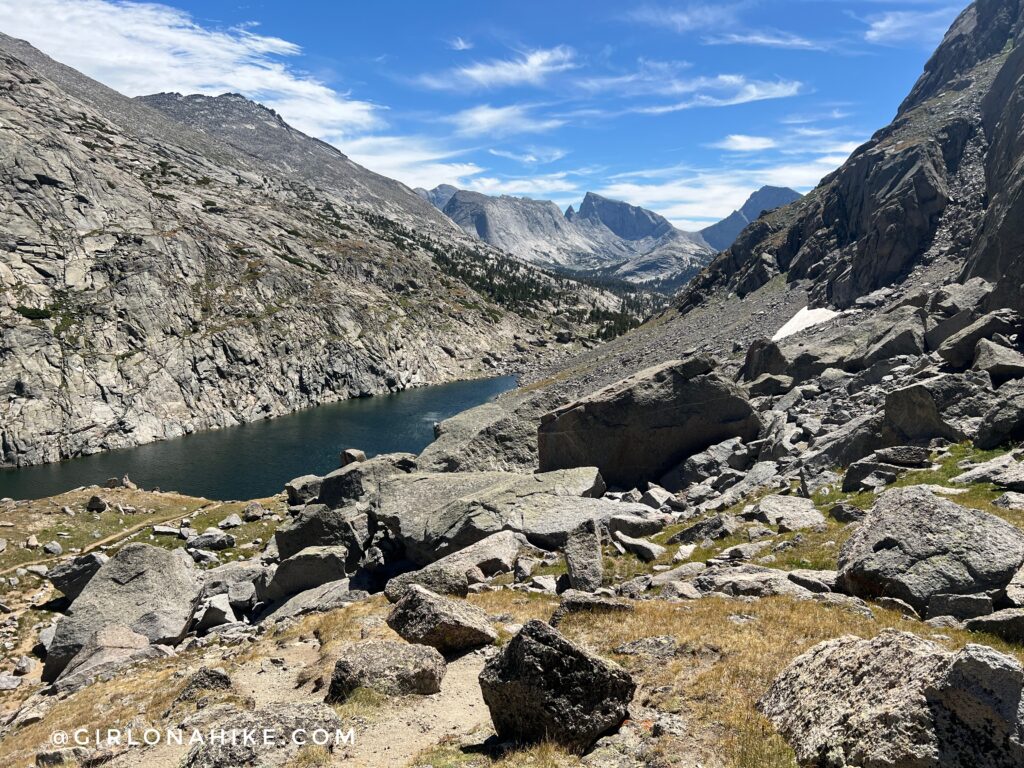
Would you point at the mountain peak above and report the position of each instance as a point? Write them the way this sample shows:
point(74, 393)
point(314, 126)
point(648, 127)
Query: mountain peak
point(721, 235)
point(629, 222)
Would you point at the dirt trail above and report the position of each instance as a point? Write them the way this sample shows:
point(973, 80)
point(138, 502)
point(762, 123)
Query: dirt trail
point(421, 722)
point(390, 738)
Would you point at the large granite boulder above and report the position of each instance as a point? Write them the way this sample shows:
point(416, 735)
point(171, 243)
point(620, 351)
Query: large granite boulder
point(308, 568)
point(498, 436)
point(387, 667)
point(451, 574)
point(898, 700)
point(317, 525)
point(790, 513)
point(451, 626)
point(434, 514)
point(583, 557)
point(71, 576)
point(959, 349)
point(914, 546)
point(999, 362)
point(105, 655)
point(151, 591)
point(358, 479)
point(745, 580)
point(641, 427)
point(1004, 422)
point(541, 686)
point(327, 597)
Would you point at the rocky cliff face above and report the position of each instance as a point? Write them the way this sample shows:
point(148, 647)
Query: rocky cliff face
point(158, 279)
point(933, 185)
point(604, 237)
point(723, 234)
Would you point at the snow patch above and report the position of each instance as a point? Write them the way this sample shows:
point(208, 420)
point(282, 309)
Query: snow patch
point(804, 319)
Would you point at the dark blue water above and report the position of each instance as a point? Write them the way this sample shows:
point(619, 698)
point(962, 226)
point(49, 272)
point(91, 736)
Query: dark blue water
point(257, 459)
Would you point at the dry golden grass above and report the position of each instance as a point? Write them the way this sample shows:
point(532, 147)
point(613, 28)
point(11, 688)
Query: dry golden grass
point(146, 691)
point(731, 651)
point(545, 755)
point(311, 757)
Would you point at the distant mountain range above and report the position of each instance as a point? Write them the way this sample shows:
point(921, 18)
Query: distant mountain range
point(605, 238)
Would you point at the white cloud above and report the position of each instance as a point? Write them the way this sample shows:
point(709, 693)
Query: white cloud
point(725, 91)
point(460, 44)
point(738, 142)
point(414, 160)
point(540, 186)
point(531, 155)
point(141, 48)
point(925, 28)
point(695, 16)
point(768, 39)
point(485, 120)
point(529, 68)
point(694, 198)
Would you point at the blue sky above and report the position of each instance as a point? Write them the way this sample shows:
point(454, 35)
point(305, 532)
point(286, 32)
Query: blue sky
point(682, 107)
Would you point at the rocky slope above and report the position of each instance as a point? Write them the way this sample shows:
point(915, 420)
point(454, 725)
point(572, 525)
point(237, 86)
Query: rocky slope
point(260, 133)
point(723, 234)
point(158, 279)
point(604, 238)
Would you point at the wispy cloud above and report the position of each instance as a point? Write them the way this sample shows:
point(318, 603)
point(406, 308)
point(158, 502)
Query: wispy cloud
point(529, 68)
point(688, 18)
point(496, 122)
point(661, 78)
point(834, 113)
point(726, 91)
point(531, 155)
point(768, 39)
point(141, 48)
point(460, 44)
point(538, 185)
point(924, 27)
point(738, 142)
point(414, 160)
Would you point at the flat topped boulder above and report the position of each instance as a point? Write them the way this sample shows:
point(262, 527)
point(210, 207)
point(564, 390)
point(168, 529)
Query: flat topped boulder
point(358, 478)
point(898, 700)
point(641, 427)
point(450, 575)
point(391, 668)
point(790, 513)
point(541, 686)
point(914, 545)
point(105, 654)
point(427, 618)
point(149, 590)
point(434, 514)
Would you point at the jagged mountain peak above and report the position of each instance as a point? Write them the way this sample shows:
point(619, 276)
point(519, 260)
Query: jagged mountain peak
point(629, 222)
point(438, 196)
